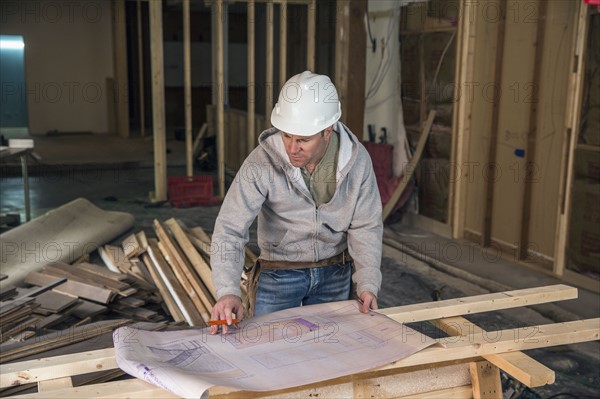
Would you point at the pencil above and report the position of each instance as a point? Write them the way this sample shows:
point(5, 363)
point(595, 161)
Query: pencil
point(221, 322)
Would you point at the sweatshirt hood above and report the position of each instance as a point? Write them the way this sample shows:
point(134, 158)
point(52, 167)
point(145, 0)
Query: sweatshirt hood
point(270, 140)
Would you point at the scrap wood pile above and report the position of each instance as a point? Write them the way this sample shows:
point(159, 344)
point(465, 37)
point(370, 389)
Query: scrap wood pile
point(146, 279)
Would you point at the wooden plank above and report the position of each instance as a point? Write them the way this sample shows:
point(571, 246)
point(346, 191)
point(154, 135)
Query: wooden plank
point(200, 266)
point(485, 378)
point(74, 273)
point(55, 384)
point(180, 266)
point(130, 388)
point(186, 279)
point(54, 301)
point(102, 271)
point(163, 290)
point(114, 258)
point(479, 303)
point(49, 368)
point(86, 291)
point(42, 280)
point(522, 367)
point(57, 339)
point(185, 304)
point(131, 246)
point(410, 168)
point(88, 309)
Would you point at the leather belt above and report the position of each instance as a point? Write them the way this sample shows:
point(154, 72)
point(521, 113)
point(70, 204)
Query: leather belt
point(340, 258)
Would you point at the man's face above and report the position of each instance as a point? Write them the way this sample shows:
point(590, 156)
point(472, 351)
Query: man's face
point(306, 151)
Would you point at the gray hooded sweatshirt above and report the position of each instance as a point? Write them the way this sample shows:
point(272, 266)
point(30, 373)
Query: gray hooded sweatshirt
point(290, 226)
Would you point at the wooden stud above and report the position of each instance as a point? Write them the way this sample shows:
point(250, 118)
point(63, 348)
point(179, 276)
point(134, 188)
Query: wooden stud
point(141, 63)
point(311, 34)
point(283, 43)
point(572, 119)
point(488, 203)
point(158, 102)
point(220, 95)
point(350, 62)
point(461, 128)
point(269, 78)
point(251, 78)
point(120, 66)
point(532, 135)
point(187, 87)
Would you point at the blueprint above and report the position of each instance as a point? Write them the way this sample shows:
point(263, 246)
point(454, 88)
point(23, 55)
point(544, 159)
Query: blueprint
point(280, 350)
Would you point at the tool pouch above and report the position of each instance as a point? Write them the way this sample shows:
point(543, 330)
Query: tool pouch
point(251, 286)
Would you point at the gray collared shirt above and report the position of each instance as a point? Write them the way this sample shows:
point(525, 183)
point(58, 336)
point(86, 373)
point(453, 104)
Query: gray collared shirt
point(322, 182)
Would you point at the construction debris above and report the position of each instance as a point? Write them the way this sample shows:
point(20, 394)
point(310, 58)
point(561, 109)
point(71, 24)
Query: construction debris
point(153, 279)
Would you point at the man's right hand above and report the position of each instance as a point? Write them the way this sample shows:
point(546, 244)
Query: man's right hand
point(224, 309)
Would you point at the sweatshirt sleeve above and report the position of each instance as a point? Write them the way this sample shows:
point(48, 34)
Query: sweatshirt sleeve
point(366, 233)
point(239, 209)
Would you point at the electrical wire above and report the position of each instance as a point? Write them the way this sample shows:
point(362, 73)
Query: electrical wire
point(368, 24)
point(388, 54)
point(439, 65)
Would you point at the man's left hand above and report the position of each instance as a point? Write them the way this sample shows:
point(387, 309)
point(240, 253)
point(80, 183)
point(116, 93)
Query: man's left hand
point(367, 302)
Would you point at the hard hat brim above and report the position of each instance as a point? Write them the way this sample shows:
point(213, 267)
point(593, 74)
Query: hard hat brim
point(301, 129)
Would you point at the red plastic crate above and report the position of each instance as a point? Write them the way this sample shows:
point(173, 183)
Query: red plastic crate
point(185, 192)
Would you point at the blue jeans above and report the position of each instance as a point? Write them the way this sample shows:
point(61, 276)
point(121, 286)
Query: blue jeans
point(282, 289)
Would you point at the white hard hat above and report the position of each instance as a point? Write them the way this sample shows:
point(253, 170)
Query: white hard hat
point(308, 103)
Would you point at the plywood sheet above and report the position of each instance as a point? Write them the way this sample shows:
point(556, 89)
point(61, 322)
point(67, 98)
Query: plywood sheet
point(551, 125)
point(516, 93)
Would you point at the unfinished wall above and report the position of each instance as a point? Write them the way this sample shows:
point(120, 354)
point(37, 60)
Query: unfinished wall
point(68, 59)
point(517, 116)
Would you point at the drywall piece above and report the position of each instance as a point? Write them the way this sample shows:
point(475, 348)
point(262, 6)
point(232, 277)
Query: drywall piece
point(60, 235)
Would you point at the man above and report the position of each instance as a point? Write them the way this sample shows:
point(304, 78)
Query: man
point(311, 184)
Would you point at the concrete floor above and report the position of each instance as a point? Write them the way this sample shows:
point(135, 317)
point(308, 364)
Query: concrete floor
point(116, 174)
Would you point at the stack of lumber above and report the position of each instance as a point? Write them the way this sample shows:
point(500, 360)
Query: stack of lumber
point(151, 279)
point(178, 262)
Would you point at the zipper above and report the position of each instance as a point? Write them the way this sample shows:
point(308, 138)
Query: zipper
point(316, 235)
